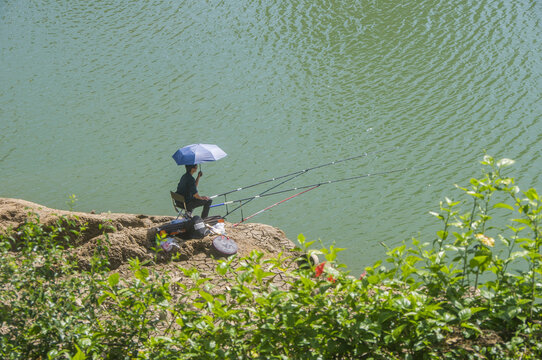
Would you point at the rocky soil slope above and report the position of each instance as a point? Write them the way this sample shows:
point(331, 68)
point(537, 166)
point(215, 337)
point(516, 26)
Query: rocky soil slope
point(133, 236)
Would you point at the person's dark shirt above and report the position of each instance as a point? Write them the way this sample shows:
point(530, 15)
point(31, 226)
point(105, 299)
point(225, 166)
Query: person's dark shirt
point(187, 187)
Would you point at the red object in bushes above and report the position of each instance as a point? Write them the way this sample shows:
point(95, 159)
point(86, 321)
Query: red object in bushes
point(319, 269)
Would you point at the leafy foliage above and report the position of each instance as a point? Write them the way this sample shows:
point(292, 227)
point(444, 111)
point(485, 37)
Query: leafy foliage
point(472, 292)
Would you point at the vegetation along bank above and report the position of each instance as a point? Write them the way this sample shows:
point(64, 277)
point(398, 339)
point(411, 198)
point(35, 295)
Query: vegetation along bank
point(93, 286)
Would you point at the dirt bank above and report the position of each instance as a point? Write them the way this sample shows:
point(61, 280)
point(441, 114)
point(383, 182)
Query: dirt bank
point(133, 236)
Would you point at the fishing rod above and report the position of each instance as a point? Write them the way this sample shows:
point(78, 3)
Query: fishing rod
point(365, 154)
point(322, 183)
point(275, 204)
point(262, 193)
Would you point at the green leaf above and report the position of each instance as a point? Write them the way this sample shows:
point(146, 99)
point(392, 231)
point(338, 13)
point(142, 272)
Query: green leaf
point(467, 325)
point(113, 279)
point(513, 311)
point(522, 221)
point(447, 317)
point(518, 254)
point(475, 194)
point(487, 294)
point(397, 331)
point(222, 268)
point(503, 206)
point(142, 274)
point(34, 329)
point(105, 295)
point(516, 230)
point(205, 295)
point(460, 188)
point(308, 283)
point(532, 195)
point(385, 316)
point(474, 310)
point(479, 260)
point(262, 301)
point(85, 342)
point(79, 355)
point(403, 303)
point(487, 160)
point(163, 338)
point(465, 314)
point(330, 270)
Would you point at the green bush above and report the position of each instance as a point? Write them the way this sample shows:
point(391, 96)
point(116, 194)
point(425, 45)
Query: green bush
point(473, 292)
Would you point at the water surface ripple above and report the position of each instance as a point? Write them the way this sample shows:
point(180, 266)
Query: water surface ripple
point(96, 96)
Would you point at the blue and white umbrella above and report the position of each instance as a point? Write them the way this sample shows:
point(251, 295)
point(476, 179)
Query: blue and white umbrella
point(197, 154)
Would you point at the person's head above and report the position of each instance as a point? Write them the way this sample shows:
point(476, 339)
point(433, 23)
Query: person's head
point(191, 168)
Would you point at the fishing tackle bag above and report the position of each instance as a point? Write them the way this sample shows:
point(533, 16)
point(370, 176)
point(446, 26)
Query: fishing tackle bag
point(186, 228)
point(178, 227)
point(198, 230)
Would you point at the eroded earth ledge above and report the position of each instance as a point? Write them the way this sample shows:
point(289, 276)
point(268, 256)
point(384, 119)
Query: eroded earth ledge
point(133, 236)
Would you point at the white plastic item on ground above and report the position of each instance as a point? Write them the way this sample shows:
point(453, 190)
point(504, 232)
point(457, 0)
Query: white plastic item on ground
point(219, 229)
point(225, 245)
point(168, 244)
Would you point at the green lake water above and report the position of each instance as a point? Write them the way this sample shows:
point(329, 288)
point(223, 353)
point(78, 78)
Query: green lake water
point(96, 96)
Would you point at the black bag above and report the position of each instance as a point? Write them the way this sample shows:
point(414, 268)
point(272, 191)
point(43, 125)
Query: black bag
point(179, 227)
point(198, 230)
point(186, 228)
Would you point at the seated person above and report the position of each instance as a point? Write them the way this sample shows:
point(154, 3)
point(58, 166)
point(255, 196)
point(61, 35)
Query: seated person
point(188, 187)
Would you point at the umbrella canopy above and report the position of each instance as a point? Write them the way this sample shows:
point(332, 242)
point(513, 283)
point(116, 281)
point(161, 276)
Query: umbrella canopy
point(197, 154)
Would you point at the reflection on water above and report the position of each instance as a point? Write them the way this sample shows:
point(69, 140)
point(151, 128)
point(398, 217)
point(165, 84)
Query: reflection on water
point(95, 97)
